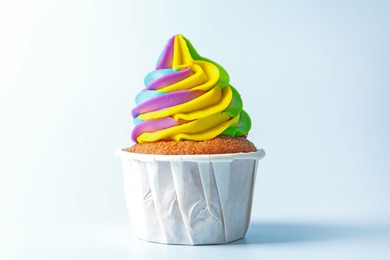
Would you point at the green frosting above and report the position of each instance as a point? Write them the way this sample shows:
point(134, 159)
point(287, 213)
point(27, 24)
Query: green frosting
point(242, 128)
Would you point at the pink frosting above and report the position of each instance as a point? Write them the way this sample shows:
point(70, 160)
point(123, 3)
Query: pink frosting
point(154, 125)
point(170, 79)
point(167, 56)
point(169, 99)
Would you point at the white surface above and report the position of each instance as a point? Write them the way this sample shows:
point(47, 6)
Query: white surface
point(266, 239)
point(313, 76)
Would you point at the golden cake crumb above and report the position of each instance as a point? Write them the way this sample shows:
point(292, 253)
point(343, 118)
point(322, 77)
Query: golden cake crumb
point(218, 145)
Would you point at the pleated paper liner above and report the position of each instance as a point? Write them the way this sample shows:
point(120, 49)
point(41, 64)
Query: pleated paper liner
point(189, 199)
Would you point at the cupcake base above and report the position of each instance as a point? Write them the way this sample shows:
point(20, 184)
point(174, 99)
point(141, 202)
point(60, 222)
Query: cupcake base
point(189, 199)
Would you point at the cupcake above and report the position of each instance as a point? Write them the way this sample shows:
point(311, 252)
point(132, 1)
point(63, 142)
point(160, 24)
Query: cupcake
point(190, 175)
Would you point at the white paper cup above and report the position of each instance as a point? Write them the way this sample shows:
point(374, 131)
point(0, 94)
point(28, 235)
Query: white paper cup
point(189, 199)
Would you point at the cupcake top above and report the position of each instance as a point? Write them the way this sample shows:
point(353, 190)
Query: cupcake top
point(187, 97)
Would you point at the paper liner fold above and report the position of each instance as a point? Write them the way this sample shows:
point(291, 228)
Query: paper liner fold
point(192, 200)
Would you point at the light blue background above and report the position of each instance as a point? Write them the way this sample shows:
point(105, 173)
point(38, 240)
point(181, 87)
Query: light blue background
point(314, 76)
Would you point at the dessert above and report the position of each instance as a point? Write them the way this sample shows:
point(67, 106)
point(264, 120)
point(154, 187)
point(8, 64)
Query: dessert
point(190, 175)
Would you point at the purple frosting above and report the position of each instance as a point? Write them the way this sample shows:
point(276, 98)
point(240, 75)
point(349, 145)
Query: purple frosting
point(166, 59)
point(170, 79)
point(169, 99)
point(154, 125)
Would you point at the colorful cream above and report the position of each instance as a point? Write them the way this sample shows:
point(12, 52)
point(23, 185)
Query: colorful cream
point(187, 97)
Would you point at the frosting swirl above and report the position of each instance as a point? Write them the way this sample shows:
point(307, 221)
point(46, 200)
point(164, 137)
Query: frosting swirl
point(187, 97)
